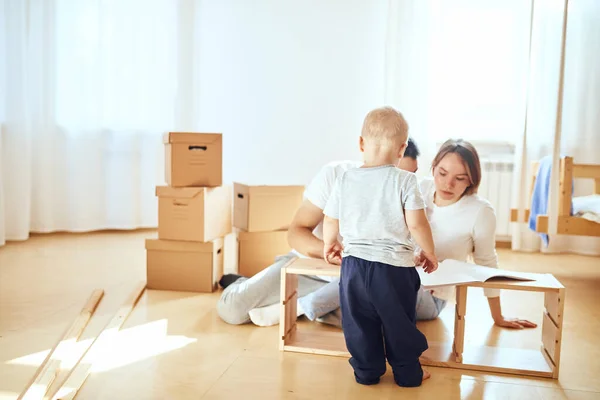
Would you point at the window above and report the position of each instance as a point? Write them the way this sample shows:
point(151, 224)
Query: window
point(478, 69)
point(116, 64)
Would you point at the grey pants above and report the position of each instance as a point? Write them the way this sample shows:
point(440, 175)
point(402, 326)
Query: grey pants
point(319, 299)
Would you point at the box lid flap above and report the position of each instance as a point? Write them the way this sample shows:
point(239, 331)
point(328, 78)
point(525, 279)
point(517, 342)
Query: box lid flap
point(192, 137)
point(176, 245)
point(180, 193)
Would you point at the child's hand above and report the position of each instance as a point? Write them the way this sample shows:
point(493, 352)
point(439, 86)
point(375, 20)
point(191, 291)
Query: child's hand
point(332, 253)
point(430, 262)
point(419, 259)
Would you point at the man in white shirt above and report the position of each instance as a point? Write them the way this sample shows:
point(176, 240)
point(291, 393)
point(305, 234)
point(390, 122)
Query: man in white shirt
point(247, 299)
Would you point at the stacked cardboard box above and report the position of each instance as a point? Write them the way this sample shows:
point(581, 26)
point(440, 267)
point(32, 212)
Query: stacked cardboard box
point(261, 217)
point(194, 215)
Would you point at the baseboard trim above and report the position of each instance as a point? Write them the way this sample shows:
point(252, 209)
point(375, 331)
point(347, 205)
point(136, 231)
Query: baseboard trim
point(503, 244)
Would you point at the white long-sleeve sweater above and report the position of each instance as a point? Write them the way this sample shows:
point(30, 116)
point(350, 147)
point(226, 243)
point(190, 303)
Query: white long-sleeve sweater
point(463, 229)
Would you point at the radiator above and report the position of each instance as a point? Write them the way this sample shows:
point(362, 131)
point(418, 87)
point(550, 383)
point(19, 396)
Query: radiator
point(496, 186)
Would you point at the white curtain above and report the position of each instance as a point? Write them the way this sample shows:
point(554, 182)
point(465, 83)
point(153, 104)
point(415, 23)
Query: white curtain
point(458, 69)
point(467, 68)
point(86, 90)
point(93, 83)
point(580, 119)
point(88, 87)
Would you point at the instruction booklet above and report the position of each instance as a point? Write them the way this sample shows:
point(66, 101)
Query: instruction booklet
point(453, 272)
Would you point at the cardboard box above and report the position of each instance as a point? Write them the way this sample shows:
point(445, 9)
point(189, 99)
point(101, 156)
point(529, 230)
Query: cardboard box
point(257, 250)
point(193, 214)
point(184, 266)
point(231, 250)
point(193, 159)
point(265, 208)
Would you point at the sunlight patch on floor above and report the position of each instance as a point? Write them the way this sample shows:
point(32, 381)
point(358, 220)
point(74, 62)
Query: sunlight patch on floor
point(129, 346)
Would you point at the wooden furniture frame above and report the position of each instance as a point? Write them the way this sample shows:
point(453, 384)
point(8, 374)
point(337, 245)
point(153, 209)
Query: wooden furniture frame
point(541, 363)
point(50, 367)
point(567, 224)
point(78, 374)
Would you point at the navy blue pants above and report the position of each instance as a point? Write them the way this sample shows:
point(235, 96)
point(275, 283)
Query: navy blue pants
point(378, 303)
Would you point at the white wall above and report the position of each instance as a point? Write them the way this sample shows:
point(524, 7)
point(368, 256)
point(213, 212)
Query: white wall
point(302, 74)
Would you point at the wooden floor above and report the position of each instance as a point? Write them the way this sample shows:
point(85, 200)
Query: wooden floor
point(174, 346)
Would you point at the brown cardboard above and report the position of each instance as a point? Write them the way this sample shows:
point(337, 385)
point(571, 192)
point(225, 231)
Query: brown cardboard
point(257, 250)
point(184, 266)
point(231, 250)
point(265, 208)
point(193, 159)
point(193, 214)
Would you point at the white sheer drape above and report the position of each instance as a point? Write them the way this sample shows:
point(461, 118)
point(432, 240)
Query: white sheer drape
point(580, 119)
point(91, 84)
point(86, 90)
point(465, 69)
point(458, 68)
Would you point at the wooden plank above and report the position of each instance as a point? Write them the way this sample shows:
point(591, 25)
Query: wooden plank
point(559, 323)
point(577, 226)
point(459, 322)
point(565, 186)
point(552, 302)
point(549, 336)
point(503, 244)
point(288, 306)
point(590, 171)
point(490, 359)
point(49, 369)
point(312, 266)
point(291, 306)
point(529, 362)
point(318, 342)
point(597, 186)
point(541, 224)
point(475, 358)
point(79, 373)
point(38, 389)
point(514, 215)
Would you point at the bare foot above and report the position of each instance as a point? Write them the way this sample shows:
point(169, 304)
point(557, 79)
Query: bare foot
point(426, 374)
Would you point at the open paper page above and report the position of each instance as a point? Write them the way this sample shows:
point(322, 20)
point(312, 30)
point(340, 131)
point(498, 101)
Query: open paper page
point(453, 272)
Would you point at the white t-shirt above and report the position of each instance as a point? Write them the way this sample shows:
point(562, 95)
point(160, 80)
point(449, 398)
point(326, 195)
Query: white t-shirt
point(319, 190)
point(369, 204)
point(461, 230)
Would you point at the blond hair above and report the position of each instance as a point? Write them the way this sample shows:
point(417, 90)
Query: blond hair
point(385, 125)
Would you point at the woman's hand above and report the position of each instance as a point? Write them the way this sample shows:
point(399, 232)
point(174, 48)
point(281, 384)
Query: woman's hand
point(514, 323)
point(500, 320)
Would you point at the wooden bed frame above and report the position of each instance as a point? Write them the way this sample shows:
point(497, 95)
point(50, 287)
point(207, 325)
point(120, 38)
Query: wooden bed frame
point(542, 362)
point(567, 224)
